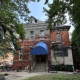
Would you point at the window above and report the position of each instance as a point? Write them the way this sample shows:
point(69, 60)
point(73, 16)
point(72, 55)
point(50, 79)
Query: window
point(58, 36)
point(42, 34)
point(20, 54)
point(65, 51)
point(32, 32)
point(60, 53)
point(20, 57)
point(58, 24)
point(32, 20)
point(32, 35)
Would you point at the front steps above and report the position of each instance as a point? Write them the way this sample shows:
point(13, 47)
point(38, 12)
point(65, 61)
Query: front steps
point(40, 67)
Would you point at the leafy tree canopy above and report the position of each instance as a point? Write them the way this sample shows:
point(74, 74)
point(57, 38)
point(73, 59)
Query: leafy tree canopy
point(11, 29)
point(56, 14)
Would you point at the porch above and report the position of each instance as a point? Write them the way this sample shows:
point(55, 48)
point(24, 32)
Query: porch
point(39, 58)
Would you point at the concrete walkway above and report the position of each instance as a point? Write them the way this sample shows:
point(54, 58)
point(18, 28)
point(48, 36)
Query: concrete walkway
point(22, 75)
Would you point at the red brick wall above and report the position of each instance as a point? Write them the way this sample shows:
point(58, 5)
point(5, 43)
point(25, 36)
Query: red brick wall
point(26, 45)
point(20, 63)
point(64, 37)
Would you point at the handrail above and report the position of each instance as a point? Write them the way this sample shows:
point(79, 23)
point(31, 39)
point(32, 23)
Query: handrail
point(34, 64)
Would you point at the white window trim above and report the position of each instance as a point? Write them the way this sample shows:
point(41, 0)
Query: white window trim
point(58, 39)
point(31, 35)
point(41, 36)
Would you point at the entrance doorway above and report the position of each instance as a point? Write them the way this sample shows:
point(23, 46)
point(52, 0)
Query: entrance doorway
point(41, 58)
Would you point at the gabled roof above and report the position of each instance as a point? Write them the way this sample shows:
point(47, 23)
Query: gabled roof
point(33, 18)
point(37, 21)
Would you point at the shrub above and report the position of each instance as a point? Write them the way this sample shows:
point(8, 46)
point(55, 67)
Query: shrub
point(62, 67)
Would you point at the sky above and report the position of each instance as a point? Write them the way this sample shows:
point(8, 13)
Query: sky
point(36, 9)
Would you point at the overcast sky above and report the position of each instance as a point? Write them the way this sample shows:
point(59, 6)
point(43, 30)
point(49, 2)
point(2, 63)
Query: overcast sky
point(36, 9)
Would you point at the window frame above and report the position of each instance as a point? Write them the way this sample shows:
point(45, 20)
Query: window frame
point(62, 53)
point(58, 37)
point(41, 34)
point(20, 54)
point(32, 35)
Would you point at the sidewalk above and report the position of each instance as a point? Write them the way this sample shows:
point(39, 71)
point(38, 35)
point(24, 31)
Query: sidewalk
point(21, 75)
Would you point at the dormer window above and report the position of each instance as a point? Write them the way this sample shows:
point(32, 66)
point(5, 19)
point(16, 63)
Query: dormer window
point(32, 20)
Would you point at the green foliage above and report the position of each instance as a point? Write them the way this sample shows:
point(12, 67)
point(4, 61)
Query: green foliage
point(75, 13)
point(55, 77)
point(20, 30)
point(18, 7)
point(17, 45)
point(7, 39)
point(63, 67)
point(76, 38)
point(11, 14)
point(11, 11)
point(56, 14)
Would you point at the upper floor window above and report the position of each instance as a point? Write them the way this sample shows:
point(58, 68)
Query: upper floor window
point(58, 36)
point(31, 32)
point(32, 35)
point(42, 34)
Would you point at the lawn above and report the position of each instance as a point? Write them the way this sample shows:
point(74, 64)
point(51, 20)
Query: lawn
point(55, 77)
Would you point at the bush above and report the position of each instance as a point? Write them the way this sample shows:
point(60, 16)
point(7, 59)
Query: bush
point(62, 67)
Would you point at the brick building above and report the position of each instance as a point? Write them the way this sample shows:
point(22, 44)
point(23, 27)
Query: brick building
point(35, 33)
point(61, 52)
point(40, 45)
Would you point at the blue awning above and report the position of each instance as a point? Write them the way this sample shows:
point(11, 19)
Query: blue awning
point(40, 49)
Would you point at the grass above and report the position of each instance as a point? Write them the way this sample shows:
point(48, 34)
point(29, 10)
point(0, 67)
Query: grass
point(55, 77)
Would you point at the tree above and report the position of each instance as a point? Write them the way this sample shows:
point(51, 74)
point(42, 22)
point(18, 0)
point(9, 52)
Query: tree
point(11, 28)
point(56, 14)
point(11, 14)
